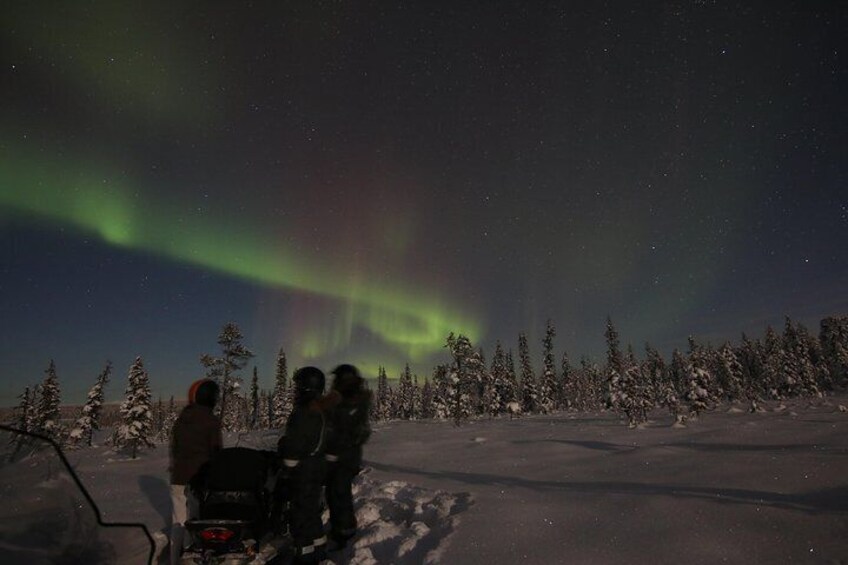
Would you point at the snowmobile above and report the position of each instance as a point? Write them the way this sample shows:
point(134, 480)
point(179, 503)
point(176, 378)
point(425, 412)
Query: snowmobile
point(240, 519)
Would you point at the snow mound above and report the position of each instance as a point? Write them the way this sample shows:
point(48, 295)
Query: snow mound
point(400, 521)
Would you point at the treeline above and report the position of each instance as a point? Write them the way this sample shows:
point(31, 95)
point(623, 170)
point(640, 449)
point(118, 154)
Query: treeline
point(140, 422)
point(791, 363)
point(38, 412)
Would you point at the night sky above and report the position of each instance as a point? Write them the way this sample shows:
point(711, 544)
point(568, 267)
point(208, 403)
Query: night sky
point(353, 180)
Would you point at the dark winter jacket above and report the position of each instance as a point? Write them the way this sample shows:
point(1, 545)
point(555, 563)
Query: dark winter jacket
point(349, 429)
point(195, 438)
point(306, 436)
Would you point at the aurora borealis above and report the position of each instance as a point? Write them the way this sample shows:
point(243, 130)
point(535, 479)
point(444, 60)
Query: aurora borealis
point(354, 181)
point(412, 322)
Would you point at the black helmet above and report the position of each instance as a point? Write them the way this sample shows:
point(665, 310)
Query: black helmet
point(347, 380)
point(308, 384)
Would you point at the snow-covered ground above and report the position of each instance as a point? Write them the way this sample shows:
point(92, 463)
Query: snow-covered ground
point(732, 487)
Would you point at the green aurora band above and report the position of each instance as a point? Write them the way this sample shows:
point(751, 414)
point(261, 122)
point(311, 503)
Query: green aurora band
point(414, 323)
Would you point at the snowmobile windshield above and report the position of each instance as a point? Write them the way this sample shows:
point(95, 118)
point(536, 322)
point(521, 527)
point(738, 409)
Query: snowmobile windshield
point(47, 516)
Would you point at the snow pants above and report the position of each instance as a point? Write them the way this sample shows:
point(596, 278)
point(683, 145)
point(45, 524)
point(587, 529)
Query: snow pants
point(340, 475)
point(306, 527)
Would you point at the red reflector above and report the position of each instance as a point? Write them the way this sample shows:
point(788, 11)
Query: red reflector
point(216, 534)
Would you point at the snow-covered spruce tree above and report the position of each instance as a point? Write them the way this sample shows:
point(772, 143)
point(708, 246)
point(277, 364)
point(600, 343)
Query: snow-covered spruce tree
point(565, 388)
point(441, 402)
point(594, 385)
point(136, 428)
point(416, 398)
point(823, 378)
point(548, 379)
point(395, 403)
point(391, 406)
point(160, 413)
point(630, 359)
point(463, 375)
point(656, 375)
point(281, 406)
point(234, 356)
point(158, 416)
point(35, 404)
point(789, 381)
point(163, 434)
point(711, 358)
point(629, 391)
point(497, 390)
point(529, 390)
point(614, 370)
point(382, 401)
point(771, 358)
point(833, 339)
point(634, 401)
point(513, 399)
point(427, 409)
point(23, 420)
point(698, 395)
point(89, 418)
point(729, 373)
point(748, 354)
point(675, 392)
point(579, 389)
point(475, 386)
point(23, 411)
point(264, 413)
point(390, 402)
point(478, 376)
point(659, 377)
point(678, 372)
point(619, 397)
point(758, 374)
point(645, 390)
point(47, 413)
point(811, 349)
point(405, 400)
point(389, 398)
point(841, 361)
point(243, 413)
point(700, 388)
point(799, 374)
point(270, 408)
point(253, 415)
point(234, 415)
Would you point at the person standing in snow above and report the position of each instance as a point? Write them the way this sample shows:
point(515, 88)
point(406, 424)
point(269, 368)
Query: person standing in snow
point(195, 438)
point(349, 430)
point(302, 451)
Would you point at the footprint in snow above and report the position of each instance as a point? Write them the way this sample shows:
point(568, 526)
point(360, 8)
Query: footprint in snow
point(401, 523)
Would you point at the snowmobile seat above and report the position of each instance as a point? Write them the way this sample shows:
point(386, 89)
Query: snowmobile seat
point(232, 505)
point(237, 469)
point(232, 485)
